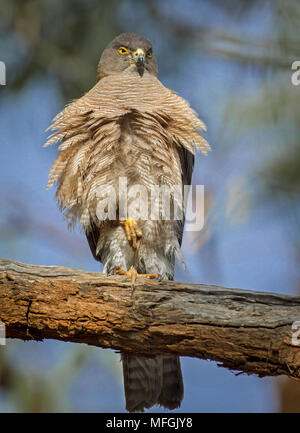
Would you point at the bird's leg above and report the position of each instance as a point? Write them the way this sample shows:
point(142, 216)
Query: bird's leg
point(133, 274)
point(134, 237)
point(132, 232)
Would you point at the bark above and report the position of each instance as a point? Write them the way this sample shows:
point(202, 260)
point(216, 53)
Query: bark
point(243, 330)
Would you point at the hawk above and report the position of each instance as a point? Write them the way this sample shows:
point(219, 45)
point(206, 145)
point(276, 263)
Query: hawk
point(129, 126)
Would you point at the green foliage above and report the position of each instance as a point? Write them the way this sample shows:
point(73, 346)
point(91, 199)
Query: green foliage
point(63, 39)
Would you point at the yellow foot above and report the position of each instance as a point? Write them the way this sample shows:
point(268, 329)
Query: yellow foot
point(132, 273)
point(132, 232)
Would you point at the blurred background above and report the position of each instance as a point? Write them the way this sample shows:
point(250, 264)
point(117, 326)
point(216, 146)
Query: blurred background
point(232, 61)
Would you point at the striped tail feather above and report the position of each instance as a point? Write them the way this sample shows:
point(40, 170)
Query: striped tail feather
point(150, 381)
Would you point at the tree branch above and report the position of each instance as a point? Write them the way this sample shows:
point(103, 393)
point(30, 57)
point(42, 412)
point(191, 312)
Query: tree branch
point(242, 330)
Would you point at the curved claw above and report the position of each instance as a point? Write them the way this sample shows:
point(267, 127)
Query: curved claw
point(150, 276)
point(132, 273)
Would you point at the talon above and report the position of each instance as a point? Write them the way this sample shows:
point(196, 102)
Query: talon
point(132, 232)
point(132, 273)
point(149, 276)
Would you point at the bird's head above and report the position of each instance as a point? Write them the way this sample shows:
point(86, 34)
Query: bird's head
point(125, 51)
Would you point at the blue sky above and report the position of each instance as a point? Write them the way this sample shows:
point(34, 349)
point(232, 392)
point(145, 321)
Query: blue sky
point(251, 251)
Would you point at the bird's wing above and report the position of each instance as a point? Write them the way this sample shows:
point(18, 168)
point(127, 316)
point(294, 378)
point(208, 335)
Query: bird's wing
point(187, 160)
point(92, 236)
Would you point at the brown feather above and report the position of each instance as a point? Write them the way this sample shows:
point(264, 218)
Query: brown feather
point(134, 127)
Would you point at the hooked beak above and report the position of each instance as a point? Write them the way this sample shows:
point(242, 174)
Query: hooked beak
point(139, 59)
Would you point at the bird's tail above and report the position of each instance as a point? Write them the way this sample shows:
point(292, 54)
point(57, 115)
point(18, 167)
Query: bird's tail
point(150, 381)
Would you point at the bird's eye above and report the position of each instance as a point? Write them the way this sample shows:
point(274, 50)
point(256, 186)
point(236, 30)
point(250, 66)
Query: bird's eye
point(149, 53)
point(123, 50)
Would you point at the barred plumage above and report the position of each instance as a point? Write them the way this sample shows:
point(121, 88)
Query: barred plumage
point(128, 125)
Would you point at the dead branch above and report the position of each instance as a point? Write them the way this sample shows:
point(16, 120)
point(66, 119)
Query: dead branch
point(242, 330)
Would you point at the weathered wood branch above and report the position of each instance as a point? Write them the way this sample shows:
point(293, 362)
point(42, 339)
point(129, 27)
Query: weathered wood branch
point(243, 330)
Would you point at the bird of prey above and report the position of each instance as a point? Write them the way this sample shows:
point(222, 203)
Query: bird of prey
point(129, 126)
